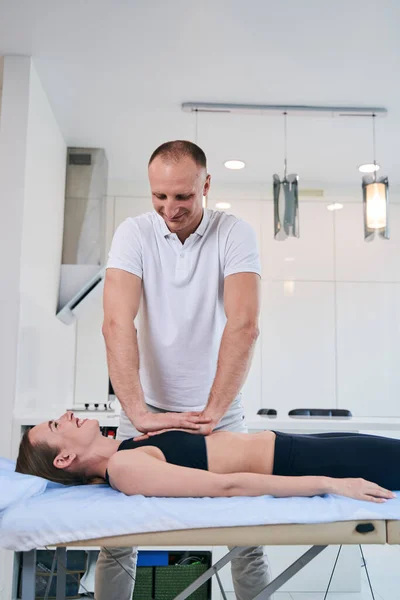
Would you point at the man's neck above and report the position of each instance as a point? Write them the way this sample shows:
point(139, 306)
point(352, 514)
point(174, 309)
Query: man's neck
point(183, 235)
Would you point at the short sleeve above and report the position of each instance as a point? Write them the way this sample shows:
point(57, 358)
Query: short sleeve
point(126, 249)
point(241, 251)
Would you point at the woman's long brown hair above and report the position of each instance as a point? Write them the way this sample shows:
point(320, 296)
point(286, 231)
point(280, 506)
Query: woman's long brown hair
point(38, 460)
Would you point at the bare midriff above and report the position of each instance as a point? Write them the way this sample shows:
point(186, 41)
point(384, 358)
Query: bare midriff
point(231, 452)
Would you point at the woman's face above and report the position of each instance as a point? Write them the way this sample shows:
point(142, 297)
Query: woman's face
point(68, 433)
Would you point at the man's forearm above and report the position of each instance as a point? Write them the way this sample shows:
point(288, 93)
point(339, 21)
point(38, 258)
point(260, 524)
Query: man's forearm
point(123, 366)
point(234, 360)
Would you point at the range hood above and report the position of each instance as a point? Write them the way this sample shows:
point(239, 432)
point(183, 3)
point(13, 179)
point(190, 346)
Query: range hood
point(79, 286)
point(83, 254)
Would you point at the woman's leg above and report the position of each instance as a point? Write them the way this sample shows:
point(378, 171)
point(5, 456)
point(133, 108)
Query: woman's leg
point(371, 457)
point(331, 434)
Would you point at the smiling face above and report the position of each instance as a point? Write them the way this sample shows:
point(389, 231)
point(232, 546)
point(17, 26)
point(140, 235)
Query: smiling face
point(71, 436)
point(177, 189)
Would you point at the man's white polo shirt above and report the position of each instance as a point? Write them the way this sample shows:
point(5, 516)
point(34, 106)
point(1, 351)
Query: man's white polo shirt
point(181, 317)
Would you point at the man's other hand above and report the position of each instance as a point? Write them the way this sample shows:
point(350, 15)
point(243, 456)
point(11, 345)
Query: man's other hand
point(157, 422)
point(202, 429)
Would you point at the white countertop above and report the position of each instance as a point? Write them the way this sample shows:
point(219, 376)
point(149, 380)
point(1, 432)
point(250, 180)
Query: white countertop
point(299, 424)
point(106, 418)
point(257, 422)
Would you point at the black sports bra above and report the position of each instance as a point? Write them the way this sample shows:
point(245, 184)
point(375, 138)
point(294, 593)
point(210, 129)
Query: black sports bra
point(179, 448)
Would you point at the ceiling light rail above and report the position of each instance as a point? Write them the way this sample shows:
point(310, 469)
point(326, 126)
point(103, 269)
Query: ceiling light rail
point(291, 109)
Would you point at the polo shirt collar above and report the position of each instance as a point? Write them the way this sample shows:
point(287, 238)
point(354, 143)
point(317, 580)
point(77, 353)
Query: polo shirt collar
point(164, 229)
point(200, 230)
point(203, 223)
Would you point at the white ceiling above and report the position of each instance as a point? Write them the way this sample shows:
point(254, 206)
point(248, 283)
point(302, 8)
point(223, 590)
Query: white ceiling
point(117, 71)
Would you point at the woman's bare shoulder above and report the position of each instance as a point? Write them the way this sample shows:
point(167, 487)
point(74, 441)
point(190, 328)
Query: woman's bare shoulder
point(134, 454)
point(131, 457)
point(122, 465)
point(149, 476)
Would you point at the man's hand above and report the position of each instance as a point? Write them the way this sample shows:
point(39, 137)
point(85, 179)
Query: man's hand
point(155, 422)
point(209, 427)
point(205, 426)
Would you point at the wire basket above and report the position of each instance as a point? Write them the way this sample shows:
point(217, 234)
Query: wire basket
point(143, 584)
point(173, 579)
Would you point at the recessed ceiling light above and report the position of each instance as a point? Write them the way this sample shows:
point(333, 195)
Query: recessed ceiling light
point(368, 168)
point(223, 205)
point(334, 206)
point(234, 164)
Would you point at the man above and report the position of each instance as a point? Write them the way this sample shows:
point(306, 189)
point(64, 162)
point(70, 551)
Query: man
point(197, 274)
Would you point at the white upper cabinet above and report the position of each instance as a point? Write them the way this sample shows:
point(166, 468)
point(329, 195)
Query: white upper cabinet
point(368, 334)
point(357, 260)
point(298, 345)
point(309, 257)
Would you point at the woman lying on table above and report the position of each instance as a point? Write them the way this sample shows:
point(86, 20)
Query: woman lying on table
point(177, 463)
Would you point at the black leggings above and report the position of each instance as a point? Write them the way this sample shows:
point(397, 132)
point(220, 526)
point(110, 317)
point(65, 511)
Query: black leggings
point(340, 455)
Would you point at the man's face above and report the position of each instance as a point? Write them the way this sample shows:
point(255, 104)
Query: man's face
point(177, 190)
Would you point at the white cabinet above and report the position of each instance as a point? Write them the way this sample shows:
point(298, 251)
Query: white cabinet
point(368, 333)
point(91, 371)
point(298, 345)
point(309, 257)
point(358, 261)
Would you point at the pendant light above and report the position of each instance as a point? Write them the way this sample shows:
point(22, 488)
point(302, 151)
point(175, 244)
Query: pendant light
point(286, 201)
point(375, 201)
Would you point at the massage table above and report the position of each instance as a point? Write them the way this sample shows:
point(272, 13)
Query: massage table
point(94, 516)
point(319, 536)
point(170, 522)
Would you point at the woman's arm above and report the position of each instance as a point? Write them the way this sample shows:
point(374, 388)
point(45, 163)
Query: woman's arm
point(140, 473)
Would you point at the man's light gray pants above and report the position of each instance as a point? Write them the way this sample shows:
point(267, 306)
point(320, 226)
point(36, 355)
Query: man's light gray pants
point(250, 569)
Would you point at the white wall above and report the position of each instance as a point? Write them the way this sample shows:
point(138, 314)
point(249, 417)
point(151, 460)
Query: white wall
point(46, 346)
point(1, 81)
point(330, 322)
point(36, 351)
point(13, 127)
point(13, 139)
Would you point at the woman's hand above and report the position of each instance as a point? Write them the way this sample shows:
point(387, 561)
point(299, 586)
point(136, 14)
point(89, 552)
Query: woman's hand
point(156, 422)
point(360, 489)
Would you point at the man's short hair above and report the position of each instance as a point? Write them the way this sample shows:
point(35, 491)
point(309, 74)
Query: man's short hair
point(175, 151)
